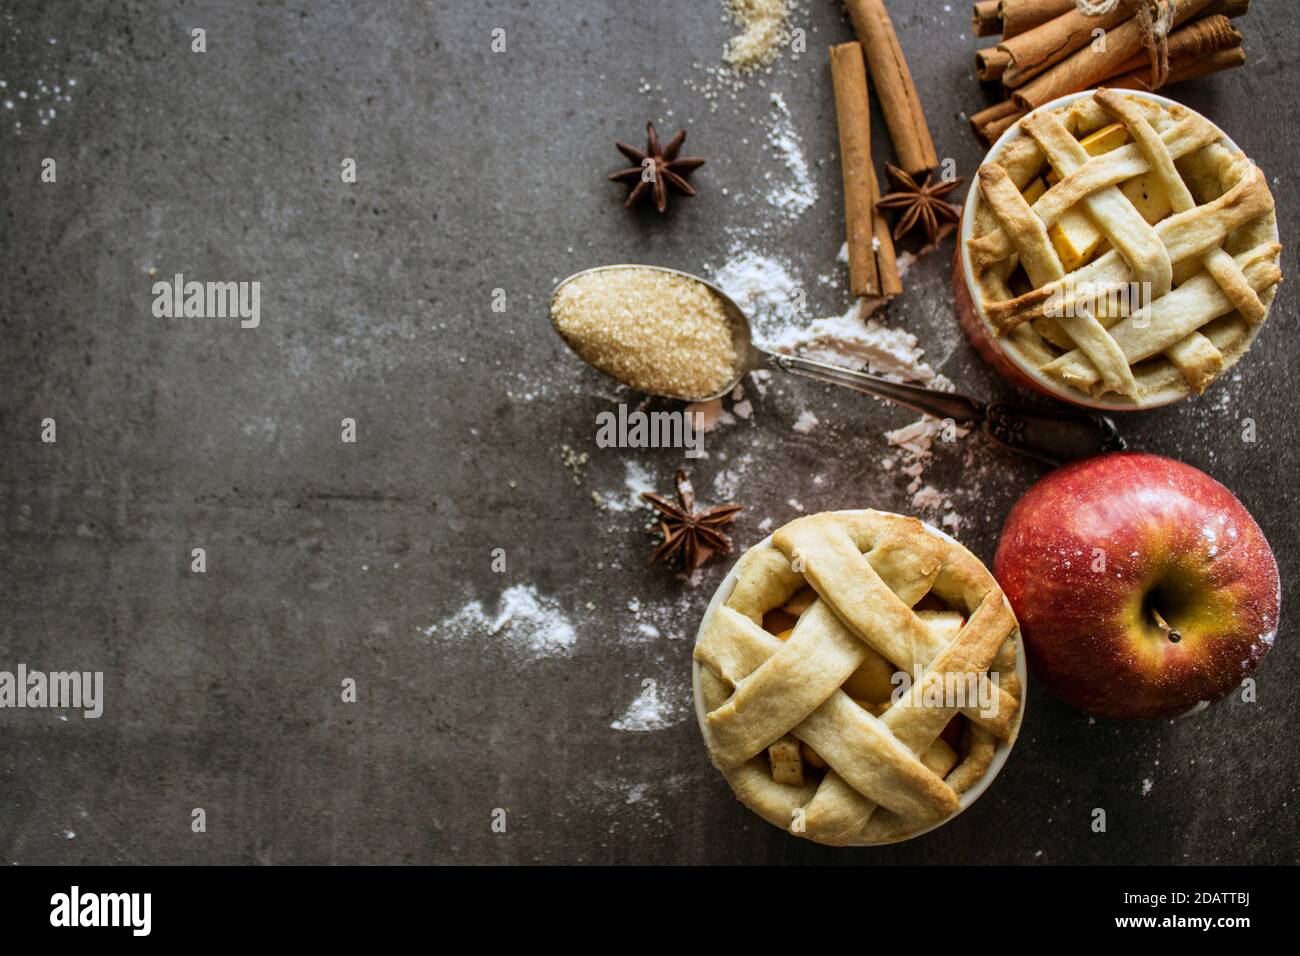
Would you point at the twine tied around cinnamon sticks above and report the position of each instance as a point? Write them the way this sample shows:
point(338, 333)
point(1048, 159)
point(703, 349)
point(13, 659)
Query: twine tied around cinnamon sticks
point(1155, 19)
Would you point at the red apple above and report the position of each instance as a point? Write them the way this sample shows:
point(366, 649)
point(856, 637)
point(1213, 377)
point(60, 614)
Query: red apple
point(1143, 586)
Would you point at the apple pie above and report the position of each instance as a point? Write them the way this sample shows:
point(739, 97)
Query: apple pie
point(837, 674)
point(1122, 248)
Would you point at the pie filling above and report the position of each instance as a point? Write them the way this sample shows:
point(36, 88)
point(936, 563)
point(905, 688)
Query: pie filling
point(873, 687)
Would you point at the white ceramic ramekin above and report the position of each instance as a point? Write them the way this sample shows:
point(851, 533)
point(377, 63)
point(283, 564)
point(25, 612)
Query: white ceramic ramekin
point(1003, 748)
point(992, 347)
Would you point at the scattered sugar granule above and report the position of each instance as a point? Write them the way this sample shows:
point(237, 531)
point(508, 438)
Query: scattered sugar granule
point(574, 461)
point(532, 623)
point(654, 331)
point(762, 24)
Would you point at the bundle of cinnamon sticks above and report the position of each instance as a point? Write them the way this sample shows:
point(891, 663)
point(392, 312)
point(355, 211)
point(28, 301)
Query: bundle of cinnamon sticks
point(1049, 48)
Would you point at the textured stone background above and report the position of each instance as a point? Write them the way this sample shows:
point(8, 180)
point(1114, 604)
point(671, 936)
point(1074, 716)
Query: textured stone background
point(481, 171)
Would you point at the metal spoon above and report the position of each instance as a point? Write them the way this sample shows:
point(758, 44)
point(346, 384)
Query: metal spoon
point(1049, 435)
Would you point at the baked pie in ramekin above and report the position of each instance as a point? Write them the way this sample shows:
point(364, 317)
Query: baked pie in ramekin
point(1118, 251)
point(799, 686)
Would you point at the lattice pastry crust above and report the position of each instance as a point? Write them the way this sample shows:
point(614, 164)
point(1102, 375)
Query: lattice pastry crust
point(890, 775)
point(1209, 261)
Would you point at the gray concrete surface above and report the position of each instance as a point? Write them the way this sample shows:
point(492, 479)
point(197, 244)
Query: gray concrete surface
point(481, 171)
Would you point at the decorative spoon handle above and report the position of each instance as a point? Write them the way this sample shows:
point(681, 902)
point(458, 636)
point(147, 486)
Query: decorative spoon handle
point(1049, 435)
point(926, 400)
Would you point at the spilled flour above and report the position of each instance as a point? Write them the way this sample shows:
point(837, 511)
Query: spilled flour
point(529, 622)
point(915, 444)
point(861, 342)
point(763, 288)
point(636, 479)
point(928, 497)
point(662, 620)
point(766, 290)
point(796, 195)
point(726, 482)
point(805, 423)
point(651, 710)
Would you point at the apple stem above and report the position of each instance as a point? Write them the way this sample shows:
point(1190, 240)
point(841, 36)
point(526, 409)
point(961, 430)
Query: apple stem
point(1170, 632)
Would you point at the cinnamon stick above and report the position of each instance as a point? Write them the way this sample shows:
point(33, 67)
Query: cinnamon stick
point(894, 86)
point(1140, 79)
point(1043, 46)
point(853, 114)
point(1206, 43)
point(986, 20)
point(1227, 8)
point(1088, 67)
point(1201, 38)
point(1198, 48)
point(891, 283)
point(984, 122)
point(1049, 43)
point(1019, 16)
point(991, 62)
point(999, 126)
point(994, 112)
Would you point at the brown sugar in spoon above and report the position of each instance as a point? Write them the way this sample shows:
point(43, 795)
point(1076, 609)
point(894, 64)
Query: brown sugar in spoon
point(1052, 435)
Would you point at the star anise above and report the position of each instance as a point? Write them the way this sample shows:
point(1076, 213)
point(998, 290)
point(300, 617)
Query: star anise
point(656, 169)
point(690, 536)
point(919, 204)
